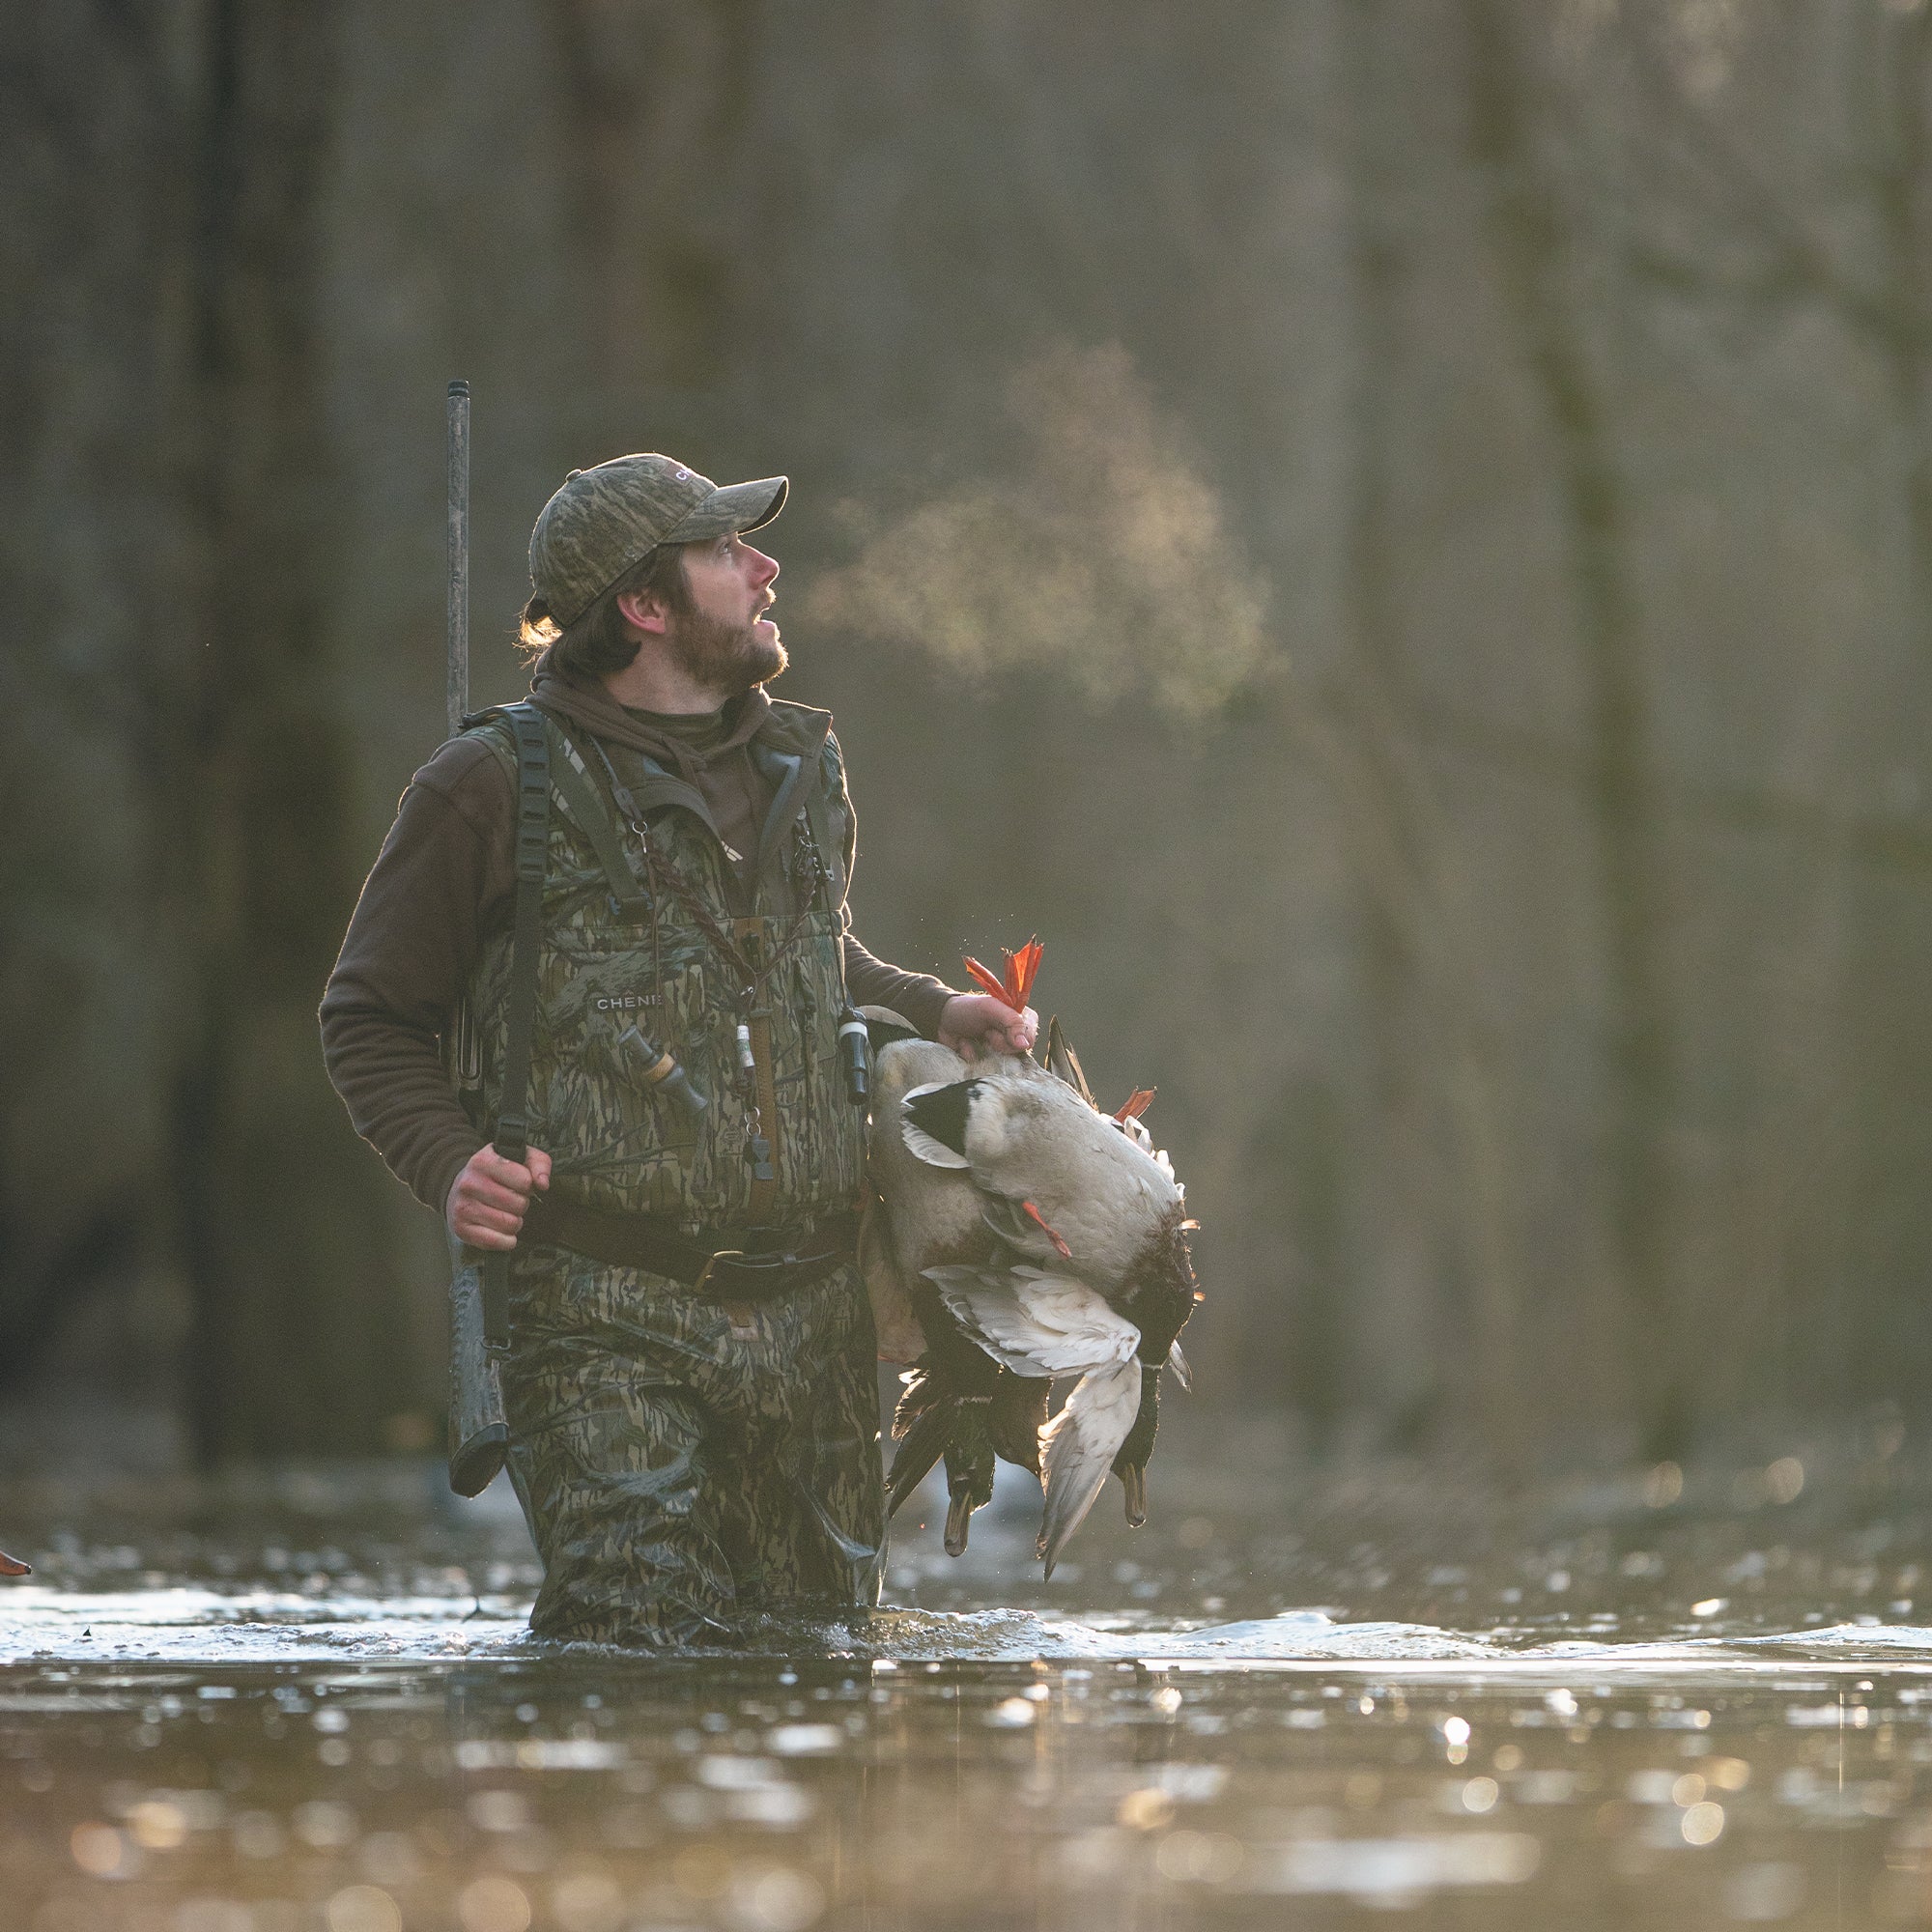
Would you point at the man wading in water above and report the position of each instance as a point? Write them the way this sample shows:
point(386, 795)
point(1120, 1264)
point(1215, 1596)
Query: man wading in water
point(689, 1386)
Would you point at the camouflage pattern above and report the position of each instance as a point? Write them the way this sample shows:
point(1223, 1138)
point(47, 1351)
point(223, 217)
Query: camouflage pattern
point(685, 1465)
point(619, 1146)
point(683, 1460)
point(603, 521)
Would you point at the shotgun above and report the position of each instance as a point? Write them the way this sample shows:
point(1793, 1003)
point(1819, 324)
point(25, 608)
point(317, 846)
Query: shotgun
point(479, 1435)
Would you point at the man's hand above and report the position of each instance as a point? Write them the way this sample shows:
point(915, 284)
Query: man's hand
point(975, 1023)
point(489, 1198)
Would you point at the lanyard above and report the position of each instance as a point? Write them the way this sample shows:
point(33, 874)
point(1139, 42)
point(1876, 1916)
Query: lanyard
point(752, 975)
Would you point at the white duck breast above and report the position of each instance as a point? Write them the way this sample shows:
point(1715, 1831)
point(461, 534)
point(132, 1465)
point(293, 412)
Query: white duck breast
point(1026, 1137)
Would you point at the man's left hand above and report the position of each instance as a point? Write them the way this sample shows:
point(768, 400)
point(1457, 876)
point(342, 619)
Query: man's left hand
point(975, 1023)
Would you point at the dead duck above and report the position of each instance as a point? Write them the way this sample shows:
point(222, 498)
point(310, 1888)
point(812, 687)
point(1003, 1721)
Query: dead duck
point(1090, 1276)
point(962, 1406)
point(1032, 1323)
point(1130, 1464)
point(1059, 1181)
point(958, 1403)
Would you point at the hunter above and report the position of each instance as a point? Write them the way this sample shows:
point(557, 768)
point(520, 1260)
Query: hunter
point(691, 1383)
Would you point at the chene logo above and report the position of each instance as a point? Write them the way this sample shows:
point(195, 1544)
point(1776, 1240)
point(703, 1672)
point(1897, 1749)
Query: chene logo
point(627, 1003)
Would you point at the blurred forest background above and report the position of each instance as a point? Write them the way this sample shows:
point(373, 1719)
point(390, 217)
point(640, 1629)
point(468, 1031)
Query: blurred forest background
point(1396, 534)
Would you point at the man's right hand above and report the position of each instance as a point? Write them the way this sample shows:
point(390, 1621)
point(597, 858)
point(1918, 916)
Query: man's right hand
point(489, 1198)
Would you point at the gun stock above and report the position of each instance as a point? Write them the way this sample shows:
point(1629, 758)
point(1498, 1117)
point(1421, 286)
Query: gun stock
point(479, 1436)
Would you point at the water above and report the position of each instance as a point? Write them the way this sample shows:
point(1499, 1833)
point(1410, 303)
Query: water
point(304, 1704)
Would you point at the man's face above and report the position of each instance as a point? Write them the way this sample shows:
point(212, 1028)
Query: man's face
point(725, 639)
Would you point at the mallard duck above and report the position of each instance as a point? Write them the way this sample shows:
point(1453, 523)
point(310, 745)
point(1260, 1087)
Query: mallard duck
point(1033, 1323)
point(958, 1403)
point(1088, 1274)
point(11, 1566)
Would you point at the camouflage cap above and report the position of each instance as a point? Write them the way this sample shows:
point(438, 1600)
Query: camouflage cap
point(605, 520)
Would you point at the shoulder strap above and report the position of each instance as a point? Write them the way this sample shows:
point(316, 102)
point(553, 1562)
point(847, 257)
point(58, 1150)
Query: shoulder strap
point(784, 772)
point(512, 1136)
point(818, 820)
point(579, 793)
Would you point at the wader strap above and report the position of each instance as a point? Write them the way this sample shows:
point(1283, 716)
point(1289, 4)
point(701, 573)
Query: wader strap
point(830, 874)
point(784, 774)
point(512, 1138)
point(586, 810)
point(818, 822)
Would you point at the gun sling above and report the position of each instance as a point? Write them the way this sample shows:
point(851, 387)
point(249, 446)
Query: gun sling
point(512, 1135)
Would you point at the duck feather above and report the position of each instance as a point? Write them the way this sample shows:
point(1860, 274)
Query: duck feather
point(1078, 1447)
point(934, 1121)
point(1063, 1061)
point(1033, 1323)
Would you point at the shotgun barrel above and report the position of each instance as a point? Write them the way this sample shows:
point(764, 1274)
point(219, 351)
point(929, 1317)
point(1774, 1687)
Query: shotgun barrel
point(480, 1434)
point(457, 692)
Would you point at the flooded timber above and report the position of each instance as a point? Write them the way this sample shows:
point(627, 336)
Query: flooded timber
point(303, 1702)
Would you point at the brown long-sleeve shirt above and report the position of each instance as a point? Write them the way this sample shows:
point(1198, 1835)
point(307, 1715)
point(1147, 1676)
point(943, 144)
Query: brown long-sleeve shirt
point(444, 882)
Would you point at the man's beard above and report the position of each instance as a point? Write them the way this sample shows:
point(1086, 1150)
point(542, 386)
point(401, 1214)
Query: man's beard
point(726, 658)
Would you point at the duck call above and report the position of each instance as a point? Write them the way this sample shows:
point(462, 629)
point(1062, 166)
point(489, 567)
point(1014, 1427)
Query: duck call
point(654, 1066)
point(855, 1053)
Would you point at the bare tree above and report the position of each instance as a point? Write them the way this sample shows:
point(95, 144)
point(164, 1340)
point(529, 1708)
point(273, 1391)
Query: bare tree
point(1530, 240)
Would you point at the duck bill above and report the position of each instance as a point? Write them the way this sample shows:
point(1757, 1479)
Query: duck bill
point(959, 1519)
point(1134, 1481)
point(11, 1566)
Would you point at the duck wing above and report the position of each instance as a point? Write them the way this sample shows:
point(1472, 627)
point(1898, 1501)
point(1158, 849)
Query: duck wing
point(921, 1421)
point(1078, 1447)
point(933, 1124)
point(1033, 1323)
point(953, 1374)
point(1036, 1323)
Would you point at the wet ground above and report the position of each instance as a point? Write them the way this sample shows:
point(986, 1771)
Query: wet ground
point(1303, 1696)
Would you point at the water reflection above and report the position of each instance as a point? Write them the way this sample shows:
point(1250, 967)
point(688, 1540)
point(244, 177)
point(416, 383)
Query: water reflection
point(594, 1795)
point(1660, 1737)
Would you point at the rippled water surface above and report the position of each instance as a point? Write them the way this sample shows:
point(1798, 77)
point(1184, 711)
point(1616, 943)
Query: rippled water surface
point(303, 1703)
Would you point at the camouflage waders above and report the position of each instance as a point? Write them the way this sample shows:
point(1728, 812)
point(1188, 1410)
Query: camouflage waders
point(683, 1459)
point(683, 1463)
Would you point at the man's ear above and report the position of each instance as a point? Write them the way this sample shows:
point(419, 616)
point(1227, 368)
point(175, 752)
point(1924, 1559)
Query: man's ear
point(643, 610)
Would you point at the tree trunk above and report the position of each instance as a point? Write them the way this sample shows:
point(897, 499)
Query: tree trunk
point(1529, 234)
point(301, 1336)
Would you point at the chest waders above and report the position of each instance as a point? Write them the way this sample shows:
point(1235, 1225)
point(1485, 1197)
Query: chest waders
point(691, 1398)
point(754, 1130)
